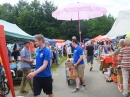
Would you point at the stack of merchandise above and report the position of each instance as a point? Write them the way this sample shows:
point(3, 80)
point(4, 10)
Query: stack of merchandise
point(107, 74)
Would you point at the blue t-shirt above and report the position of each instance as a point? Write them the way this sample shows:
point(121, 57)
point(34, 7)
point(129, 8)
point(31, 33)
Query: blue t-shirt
point(41, 56)
point(77, 52)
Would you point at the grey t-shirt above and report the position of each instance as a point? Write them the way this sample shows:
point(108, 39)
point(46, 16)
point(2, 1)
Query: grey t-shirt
point(118, 51)
point(27, 54)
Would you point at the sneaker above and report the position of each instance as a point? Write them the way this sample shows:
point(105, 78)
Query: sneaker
point(125, 95)
point(109, 81)
point(91, 68)
point(83, 88)
point(24, 91)
point(75, 90)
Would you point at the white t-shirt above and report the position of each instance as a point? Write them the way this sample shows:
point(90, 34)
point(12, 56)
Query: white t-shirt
point(68, 50)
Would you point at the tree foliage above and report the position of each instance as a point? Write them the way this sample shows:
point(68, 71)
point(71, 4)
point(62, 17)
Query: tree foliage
point(36, 18)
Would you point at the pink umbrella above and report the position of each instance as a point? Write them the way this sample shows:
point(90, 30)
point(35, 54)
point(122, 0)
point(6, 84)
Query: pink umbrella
point(79, 11)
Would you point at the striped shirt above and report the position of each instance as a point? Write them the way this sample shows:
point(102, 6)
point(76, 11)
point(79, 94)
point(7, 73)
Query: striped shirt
point(125, 57)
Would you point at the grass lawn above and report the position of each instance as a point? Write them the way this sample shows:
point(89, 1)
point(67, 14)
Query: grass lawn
point(53, 68)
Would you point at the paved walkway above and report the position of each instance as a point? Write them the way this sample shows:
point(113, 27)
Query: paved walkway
point(95, 82)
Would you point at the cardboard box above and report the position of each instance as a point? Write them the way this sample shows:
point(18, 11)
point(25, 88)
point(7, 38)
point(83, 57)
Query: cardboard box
point(120, 79)
point(101, 65)
point(119, 72)
point(69, 63)
point(121, 88)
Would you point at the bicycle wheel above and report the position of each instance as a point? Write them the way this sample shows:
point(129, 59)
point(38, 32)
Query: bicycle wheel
point(4, 88)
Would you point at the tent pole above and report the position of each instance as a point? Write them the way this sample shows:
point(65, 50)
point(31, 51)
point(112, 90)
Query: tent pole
point(79, 28)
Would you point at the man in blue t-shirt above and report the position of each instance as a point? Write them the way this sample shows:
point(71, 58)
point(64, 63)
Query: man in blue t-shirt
point(42, 77)
point(79, 65)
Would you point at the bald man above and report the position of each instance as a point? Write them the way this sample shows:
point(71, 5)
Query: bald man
point(121, 43)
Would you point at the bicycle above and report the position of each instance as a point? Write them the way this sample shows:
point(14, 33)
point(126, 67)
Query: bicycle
point(4, 87)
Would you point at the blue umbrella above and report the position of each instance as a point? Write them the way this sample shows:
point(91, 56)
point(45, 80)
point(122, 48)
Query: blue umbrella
point(50, 41)
point(86, 39)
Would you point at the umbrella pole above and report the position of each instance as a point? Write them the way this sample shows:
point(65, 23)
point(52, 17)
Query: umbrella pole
point(79, 28)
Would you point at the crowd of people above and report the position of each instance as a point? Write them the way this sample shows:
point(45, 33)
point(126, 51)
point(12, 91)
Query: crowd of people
point(120, 53)
point(45, 55)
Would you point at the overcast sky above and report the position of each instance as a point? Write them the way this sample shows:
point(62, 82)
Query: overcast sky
point(112, 6)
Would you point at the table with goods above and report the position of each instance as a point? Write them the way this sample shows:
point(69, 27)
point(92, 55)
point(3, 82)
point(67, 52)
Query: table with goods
point(109, 67)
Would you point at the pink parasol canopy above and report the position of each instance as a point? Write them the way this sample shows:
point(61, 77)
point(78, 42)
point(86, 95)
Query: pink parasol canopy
point(79, 11)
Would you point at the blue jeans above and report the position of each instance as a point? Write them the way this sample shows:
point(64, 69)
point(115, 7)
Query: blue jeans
point(0, 73)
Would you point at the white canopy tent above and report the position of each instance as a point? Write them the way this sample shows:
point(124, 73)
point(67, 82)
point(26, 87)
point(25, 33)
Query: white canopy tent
point(121, 25)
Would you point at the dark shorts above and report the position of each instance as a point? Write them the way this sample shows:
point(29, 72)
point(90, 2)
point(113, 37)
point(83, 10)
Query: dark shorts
point(90, 59)
point(40, 83)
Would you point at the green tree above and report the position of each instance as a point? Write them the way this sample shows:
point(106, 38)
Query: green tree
point(7, 12)
point(98, 26)
point(36, 18)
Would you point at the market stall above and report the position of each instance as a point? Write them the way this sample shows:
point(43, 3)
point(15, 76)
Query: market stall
point(119, 30)
point(110, 69)
point(59, 40)
point(68, 42)
point(86, 39)
point(10, 33)
point(4, 57)
point(108, 65)
point(51, 41)
point(96, 38)
point(14, 33)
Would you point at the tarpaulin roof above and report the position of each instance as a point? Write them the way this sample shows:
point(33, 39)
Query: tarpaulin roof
point(59, 40)
point(121, 25)
point(86, 39)
point(50, 41)
point(68, 42)
point(14, 33)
